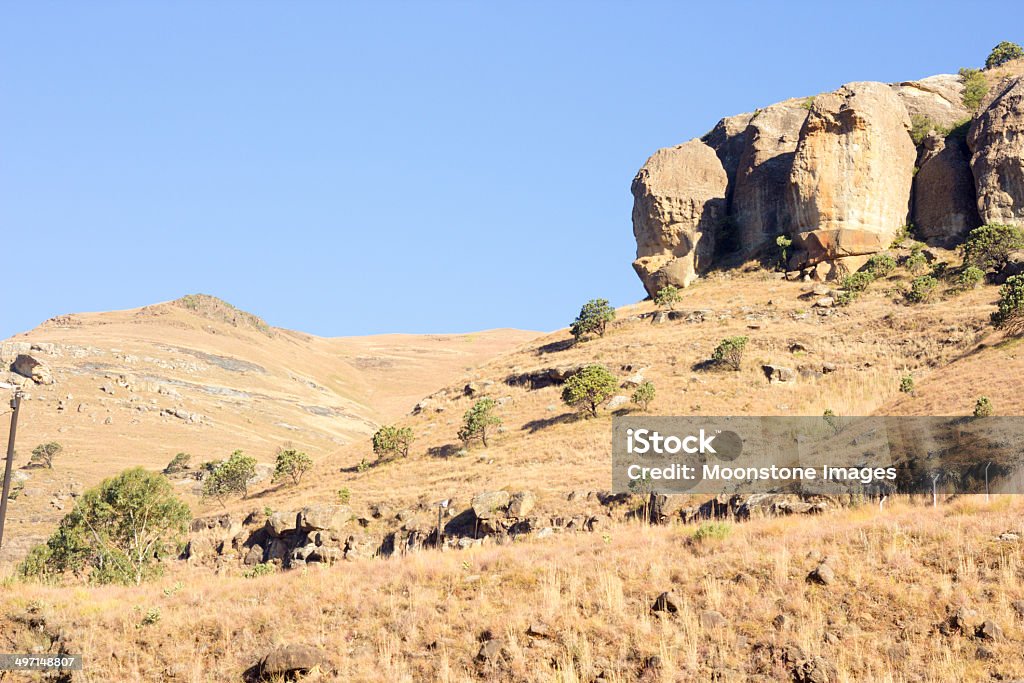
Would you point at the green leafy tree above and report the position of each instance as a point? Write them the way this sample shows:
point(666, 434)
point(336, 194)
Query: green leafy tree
point(783, 243)
point(179, 463)
point(478, 420)
point(1010, 314)
point(857, 282)
point(1002, 53)
point(392, 440)
point(668, 296)
point(880, 265)
point(589, 388)
point(729, 352)
point(291, 464)
point(44, 453)
point(230, 478)
point(921, 289)
point(983, 407)
point(989, 246)
point(643, 395)
point(593, 318)
point(117, 533)
point(920, 127)
point(975, 88)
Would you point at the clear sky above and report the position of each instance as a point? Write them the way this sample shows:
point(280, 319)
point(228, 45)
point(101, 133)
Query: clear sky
point(364, 167)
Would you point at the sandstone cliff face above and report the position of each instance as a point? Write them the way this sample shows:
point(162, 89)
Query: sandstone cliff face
point(679, 203)
point(939, 98)
point(758, 203)
point(729, 139)
point(945, 206)
point(852, 173)
point(996, 140)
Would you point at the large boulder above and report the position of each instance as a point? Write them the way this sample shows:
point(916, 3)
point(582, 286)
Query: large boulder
point(945, 206)
point(936, 98)
point(33, 368)
point(679, 205)
point(996, 140)
point(288, 662)
point(323, 517)
point(852, 172)
point(729, 138)
point(759, 208)
point(490, 504)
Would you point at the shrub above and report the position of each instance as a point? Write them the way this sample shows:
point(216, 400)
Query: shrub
point(975, 88)
point(178, 464)
point(989, 246)
point(1010, 314)
point(344, 496)
point(291, 464)
point(1002, 53)
point(117, 533)
point(845, 298)
point(857, 282)
point(970, 277)
point(261, 569)
point(594, 317)
point(921, 289)
point(478, 420)
point(230, 478)
point(392, 440)
point(920, 127)
point(983, 407)
point(589, 388)
point(916, 263)
point(44, 453)
point(729, 352)
point(712, 530)
point(907, 384)
point(643, 395)
point(667, 297)
point(783, 243)
point(880, 265)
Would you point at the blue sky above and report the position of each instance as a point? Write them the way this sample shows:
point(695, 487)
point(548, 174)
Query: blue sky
point(356, 168)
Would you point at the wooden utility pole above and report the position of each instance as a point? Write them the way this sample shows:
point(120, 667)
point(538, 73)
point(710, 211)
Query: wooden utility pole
point(15, 406)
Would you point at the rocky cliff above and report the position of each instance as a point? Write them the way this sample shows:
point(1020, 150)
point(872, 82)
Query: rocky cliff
point(840, 174)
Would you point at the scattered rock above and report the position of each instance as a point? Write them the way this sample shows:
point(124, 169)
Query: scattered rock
point(490, 652)
point(521, 504)
point(778, 374)
point(710, 619)
point(989, 630)
point(617, 402)
point(815, 670)
point(823, 574)
point(490, 504)
point(290, 661)
point(667, 602)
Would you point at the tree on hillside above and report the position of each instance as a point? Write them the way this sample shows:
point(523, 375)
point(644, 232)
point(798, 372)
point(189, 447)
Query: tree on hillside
point(668, 296)
point(117, 533)
point(593, 318)
point(1010, 314)
point(230, 477)
point(1002, 53)
point(478, 420)
point(643, 395)
point(989, 246)
point(44, 453)
point(589, 388)
point(291, 464)
point(729, 352)
point(975, 88)
point(392, 440)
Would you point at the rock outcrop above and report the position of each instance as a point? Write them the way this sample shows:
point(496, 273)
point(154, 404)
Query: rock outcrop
point(945, 206)
point(679, 207)
point(996, 140)
point(852, 173)
point(758, 206)
point(936, 98)
point(33, 368)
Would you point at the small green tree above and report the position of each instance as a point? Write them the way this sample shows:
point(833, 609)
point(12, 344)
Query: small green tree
point(983, 407)
point(291, 464)
point(1010, 314)
point(783, 243)
point(643, 395)
point(920, 127)
point(916, 263)
point(392, 440)
point(668, 296)
point(975, 88)
point(593, 318)
point(907, 384)
point(44, 453)
point(230, 478)
point(478, 420)
point(970, 277)
point(729, 352)
point(589, 388)
point(880, 265)
point(857, 282)
point(921, 289)
point(1002, 53)
point(117, 533)
point(178, 464)
point(989, 246)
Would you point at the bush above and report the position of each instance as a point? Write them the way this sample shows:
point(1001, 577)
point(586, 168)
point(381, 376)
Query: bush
point(594, 317)
point(845, 298)
point(392, 440)
point(1010, 314)
point(478, 420)
point(117, 533)
point(589, 388)
point(668, 296)
point(857, 282)
point(1002, 53)
point(970, 277)
point(975, 88)
point(907, 384)
point(916, 263)
point(291, 464)
point(921, 289)
point(920, 127)
point(983, 407)
point(44, 453)
point(989, 246)
point(880, 265)
point(230, 478)
point(729, 352)
point(783, 243)
point(643, 395)
point(178, 464)
point(344, 496)
point(261, 569)
point(712, 530)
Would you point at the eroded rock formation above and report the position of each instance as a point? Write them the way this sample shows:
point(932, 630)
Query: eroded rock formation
point(996, 140)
